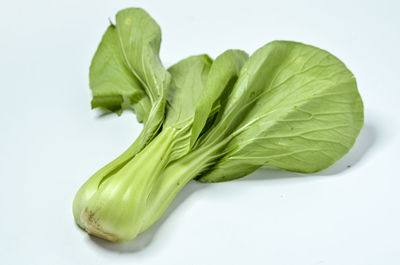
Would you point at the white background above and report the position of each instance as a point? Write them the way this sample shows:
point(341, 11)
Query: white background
point(51, 142)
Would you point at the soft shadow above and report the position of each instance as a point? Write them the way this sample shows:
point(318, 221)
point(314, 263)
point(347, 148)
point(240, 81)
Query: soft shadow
point(105, 114)
point(364, 143)
point(270, 174)
point(145, 238)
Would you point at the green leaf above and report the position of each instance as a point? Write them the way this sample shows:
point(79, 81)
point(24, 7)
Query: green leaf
point(127, 69)
point(140, 39)
point(294, 106)
point(223, 74)
point(111, 81)
point(189, 77)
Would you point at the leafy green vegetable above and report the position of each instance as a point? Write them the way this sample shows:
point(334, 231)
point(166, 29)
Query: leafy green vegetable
point(290, 105)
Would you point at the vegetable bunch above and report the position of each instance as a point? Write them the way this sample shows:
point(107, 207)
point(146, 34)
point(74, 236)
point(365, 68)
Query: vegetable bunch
point(289, 105)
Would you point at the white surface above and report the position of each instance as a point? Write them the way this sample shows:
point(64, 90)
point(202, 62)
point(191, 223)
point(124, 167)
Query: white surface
point(50, 141)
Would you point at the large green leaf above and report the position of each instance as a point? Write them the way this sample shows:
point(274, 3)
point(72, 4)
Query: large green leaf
point(223, 74)
point(111, 81)
point(127, 67)
point(294, 107)
point(140, 39)
point(189, 77)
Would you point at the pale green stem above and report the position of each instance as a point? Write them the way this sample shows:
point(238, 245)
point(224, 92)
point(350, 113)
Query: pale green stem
point(87, 190)
point(115, 211)
point(175, 177)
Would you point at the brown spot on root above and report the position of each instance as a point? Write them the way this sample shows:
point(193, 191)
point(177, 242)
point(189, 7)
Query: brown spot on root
point(94, 228)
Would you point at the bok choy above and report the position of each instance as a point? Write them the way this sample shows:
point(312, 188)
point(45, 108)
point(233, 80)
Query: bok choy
point(289, 105)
